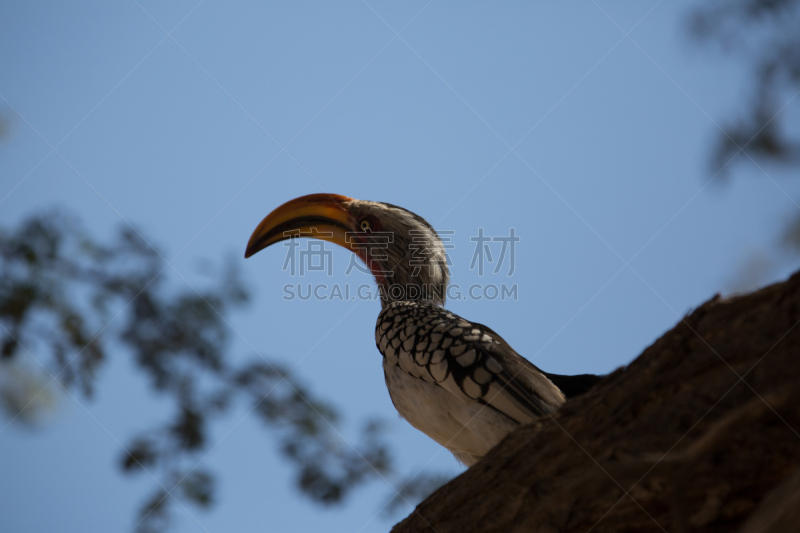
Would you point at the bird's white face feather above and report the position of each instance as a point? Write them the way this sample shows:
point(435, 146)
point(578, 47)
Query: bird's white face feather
point(409, 258)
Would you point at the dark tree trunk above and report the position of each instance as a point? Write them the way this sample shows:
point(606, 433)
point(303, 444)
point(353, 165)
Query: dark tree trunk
point(700, 433)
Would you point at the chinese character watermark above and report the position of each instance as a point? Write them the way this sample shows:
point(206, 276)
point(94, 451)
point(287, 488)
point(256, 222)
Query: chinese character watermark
point(423, 251)
point(371, 256)
point(482, 250)
point(373, 252)
point(314, 258)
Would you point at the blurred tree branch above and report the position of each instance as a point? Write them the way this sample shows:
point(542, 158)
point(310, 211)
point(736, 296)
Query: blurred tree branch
point(765, 33)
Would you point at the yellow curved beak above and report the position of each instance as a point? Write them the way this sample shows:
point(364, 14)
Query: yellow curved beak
point(318, 216)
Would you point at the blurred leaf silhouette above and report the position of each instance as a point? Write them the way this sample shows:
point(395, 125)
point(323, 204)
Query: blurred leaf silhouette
point(766, 35)
point(24, 393)
point(69, 303)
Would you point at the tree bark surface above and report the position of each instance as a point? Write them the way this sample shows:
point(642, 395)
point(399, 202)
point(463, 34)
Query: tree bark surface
point(701, 432)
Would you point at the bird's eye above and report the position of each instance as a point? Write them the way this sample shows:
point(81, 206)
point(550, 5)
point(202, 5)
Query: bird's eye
point(365, 225)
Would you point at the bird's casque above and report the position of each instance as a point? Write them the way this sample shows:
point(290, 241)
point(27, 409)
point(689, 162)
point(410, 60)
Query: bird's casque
point(456, 381)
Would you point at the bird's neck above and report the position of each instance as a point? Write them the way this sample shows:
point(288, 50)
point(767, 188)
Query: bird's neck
point(429, 289)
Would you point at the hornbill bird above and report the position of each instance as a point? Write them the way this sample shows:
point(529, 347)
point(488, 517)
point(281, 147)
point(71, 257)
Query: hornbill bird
point(456, 381)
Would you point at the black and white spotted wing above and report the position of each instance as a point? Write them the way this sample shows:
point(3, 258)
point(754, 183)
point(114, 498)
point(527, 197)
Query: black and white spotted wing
point(435, 345)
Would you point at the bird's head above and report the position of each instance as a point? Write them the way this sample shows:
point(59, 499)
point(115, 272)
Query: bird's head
point(400, 248)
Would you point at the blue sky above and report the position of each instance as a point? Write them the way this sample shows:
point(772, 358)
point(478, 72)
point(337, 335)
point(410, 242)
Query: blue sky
point(585, 126)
